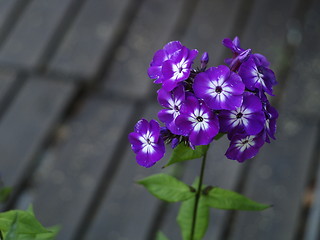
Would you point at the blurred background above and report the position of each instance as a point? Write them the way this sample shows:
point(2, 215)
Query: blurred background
point(73, 82)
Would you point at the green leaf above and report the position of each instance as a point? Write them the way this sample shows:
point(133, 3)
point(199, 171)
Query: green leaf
point(229, 200)
point(185, 217)
point(22, 225)
point(12, 233)
point(167, 188)
point(183, 153)
point(161, 236)
point(4, 194)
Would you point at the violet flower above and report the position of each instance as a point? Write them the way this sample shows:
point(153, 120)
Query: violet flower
point(256, 76)
point(177, 68)
point(172, 101)
point(162, 55)
point(197, 121)
point(219, 88)
point(248, 119)
point(271, 123)
point(243, 147)
point(240, 55)
point(146, 143)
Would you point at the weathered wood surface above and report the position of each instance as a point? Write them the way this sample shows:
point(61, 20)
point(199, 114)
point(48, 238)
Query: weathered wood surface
point(27, 42)
point(90, 38)
point(280, 173)
point(77, 163)
point(138, 49)
point(126, 199)
point(27, 123)
point(70, 164)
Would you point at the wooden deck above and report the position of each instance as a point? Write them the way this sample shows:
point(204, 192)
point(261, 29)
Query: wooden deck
point(73, 83)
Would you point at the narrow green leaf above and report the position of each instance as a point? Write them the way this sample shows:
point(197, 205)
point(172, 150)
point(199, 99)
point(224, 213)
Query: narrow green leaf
point(167, 188)
point(4, 194)
point(161, 236)
point(183, 153)
point(229, 200)
point(185, 217)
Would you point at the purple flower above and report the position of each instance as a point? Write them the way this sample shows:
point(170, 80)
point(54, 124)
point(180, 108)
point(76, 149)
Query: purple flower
point(248, 119)
point(147, 143)
point(271, 122)
point(162, 55)
point(197, 121)
point(255, 75)
point(172, 101)
point(239, 55)
point(177, 68)
point(243, 147)
point(233, 45)
point(204, 60)
point(219, 88)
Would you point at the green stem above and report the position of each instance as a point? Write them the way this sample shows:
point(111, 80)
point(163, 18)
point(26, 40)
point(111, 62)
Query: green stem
point(198, 194)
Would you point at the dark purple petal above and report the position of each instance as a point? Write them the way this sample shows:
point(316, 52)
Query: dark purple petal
point(147, 143)
point(262, 60)
point(248, 118)
point(257, 76)
point(166, 115)
point(204, 60)
point(234, 45)
point(134, 139)
point(251, 102)
point(219, 87)
point(197, 121)
point(184, 124)
point(172, 47)
point(154, 128)
point(141, 126)
point(164, 98)
point(148, 159)
point(243, 147)
point(159, 57)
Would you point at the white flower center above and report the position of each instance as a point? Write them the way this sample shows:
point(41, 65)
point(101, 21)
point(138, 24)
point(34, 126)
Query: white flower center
point(245, 143)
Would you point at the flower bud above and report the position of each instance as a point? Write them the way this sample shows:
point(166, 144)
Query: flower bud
point(204, 60)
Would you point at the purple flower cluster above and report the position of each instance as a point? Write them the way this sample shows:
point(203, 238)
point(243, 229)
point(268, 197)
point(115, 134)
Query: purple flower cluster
point(198, 103)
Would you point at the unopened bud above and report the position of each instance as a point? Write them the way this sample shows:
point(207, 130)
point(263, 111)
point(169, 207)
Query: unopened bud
point(204, 60)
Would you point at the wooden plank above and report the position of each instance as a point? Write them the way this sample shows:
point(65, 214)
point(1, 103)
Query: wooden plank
point(36, 27)
point(89, 38)
point(76, 164)
point(8, 86)
point(148, 33)
point(280, 174)
point(313, 221)
point(268, 33)
point(7, 7)
point(304, 76)
point(206, 33)
point(27, 123)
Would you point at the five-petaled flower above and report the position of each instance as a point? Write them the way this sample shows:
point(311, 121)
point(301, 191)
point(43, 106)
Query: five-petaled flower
point(147, 143)
point(200, 102)
point(197, 121)
point(219, 87)
point(244, 147)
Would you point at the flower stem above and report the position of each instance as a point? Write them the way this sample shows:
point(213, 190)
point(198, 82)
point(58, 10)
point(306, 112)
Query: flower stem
point(198, 194)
